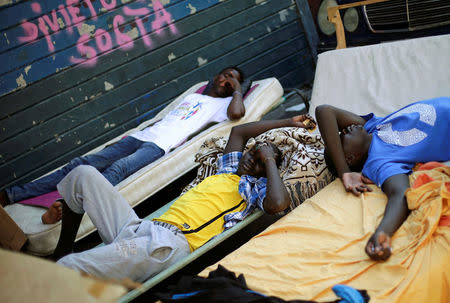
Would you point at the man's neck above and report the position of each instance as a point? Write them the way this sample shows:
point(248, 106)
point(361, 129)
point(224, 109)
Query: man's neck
point(212, 93)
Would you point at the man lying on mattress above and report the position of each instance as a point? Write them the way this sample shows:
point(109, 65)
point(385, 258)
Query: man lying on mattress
point(385, 149)
point(120, 160)
point(139, 249)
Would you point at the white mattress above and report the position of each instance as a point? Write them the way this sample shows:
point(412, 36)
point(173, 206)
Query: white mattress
point(150, 179)
point(384, 77)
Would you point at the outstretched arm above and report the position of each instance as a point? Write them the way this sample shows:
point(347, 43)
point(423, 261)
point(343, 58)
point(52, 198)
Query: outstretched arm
point(236, 109)
point(331, 120)
point(240, 134)
point(379, 245)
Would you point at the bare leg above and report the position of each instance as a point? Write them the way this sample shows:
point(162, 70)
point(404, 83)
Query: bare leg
point(53, 214)
point(69, 228)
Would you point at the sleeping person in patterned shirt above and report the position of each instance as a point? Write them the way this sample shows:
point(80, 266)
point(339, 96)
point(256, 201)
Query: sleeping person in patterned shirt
point(139, 249)
point(383, 150)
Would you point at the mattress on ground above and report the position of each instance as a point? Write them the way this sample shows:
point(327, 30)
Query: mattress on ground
point(143, 183)
point(321, 243)
point(384, 77)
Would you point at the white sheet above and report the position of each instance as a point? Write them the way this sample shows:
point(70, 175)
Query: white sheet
point(384, 77)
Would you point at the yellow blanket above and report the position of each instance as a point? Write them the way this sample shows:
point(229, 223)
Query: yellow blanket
point(321, 243)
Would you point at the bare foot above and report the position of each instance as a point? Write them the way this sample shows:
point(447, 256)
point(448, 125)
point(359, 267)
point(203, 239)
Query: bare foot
point(379, 246)
point(53, 214)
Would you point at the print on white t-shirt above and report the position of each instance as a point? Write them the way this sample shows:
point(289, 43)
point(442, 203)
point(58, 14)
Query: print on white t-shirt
point(186, 110)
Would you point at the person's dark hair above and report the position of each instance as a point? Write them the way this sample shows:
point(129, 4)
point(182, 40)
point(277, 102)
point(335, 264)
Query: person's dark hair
point(241, 73)
point(245, 83)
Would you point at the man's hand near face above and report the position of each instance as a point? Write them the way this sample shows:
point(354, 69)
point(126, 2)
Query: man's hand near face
point(264, 152)
point(232, 85)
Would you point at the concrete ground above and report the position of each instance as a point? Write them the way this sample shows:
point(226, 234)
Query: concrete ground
point(292, 103)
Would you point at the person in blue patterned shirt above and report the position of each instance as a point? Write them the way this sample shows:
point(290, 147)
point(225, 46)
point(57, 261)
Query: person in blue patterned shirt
point(383, 150)
point(139, 249)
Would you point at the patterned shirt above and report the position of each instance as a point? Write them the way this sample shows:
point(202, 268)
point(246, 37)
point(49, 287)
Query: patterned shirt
point(415, 133)
point(251, 189)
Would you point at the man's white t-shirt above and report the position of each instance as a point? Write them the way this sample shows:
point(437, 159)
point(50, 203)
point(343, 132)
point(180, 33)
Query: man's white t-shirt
point(193, 113)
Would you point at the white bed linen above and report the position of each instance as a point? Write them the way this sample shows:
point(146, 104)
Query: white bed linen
point(384, 77)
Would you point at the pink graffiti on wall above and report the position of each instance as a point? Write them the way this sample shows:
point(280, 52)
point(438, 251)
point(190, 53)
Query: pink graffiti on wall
point(102, 40)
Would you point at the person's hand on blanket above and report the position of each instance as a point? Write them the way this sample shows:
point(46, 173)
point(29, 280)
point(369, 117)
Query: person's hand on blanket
point(378, 247)
point(356, 183)
point(303, 121)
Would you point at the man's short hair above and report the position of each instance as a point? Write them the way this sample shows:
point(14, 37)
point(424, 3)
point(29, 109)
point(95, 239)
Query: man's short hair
point(241, 73)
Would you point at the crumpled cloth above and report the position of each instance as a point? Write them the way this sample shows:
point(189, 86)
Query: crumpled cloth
point(321, 244)
point(303, 169)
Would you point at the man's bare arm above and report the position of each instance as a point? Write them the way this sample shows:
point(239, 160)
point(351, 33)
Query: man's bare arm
point(241, 133)
point(331, 120)
point(378, 247)
point(236, 108)
point(396, 209)
point(277, 198)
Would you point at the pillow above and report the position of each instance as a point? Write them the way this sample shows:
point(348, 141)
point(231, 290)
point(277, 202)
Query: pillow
point(303, 169)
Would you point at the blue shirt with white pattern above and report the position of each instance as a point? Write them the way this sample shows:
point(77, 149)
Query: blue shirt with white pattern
point(418, 132)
